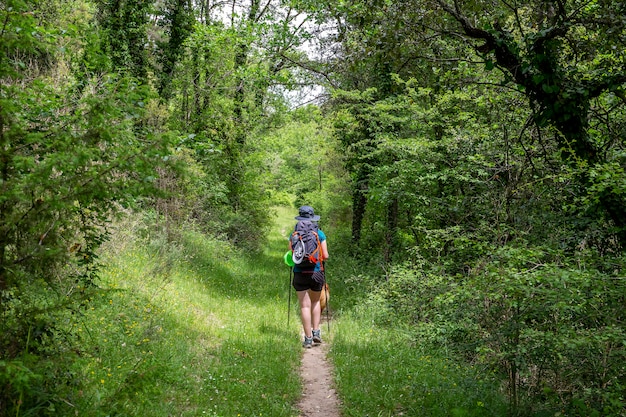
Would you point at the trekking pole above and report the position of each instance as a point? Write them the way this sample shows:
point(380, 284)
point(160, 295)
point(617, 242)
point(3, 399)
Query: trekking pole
point(289, 262)
point(327, 306)
point(327, 313)
point(289, 299)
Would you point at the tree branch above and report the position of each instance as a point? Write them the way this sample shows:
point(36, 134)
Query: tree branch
point(495, 41)
point(309, 68)
point(605, 83)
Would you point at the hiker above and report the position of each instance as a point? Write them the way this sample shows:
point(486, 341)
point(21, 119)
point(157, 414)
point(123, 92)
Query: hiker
point(308, 282)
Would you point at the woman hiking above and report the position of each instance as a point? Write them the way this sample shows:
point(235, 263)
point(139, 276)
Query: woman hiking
point(309, 280)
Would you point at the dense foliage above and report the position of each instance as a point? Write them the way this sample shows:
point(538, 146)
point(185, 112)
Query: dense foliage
point(469, 154)
point(486, 151)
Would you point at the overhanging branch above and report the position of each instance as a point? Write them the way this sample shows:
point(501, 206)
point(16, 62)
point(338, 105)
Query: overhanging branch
point(307, 67)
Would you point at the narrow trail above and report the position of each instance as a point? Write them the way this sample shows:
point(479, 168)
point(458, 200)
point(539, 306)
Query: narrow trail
point(319, 397)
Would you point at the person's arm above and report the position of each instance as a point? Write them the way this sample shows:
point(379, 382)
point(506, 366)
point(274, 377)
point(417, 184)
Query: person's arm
point(324, 250)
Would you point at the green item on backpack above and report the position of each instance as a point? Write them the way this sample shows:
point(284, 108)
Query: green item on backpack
point(288, 258)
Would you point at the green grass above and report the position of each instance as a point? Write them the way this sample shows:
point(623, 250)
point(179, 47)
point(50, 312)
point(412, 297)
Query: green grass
point(191, 329)
point(383, 372)
point(196, 328)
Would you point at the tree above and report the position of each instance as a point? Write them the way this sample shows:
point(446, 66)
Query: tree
point(177, 22)
point(70, 159)
point(567, 57)
point(124, 24)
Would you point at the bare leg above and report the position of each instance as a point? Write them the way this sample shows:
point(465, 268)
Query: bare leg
point(316, 310)
point(305, 311)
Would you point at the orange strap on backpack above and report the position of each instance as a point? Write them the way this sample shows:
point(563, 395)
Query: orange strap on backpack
point(319, 252)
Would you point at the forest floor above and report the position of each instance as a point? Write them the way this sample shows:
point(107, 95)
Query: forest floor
point(319, 397)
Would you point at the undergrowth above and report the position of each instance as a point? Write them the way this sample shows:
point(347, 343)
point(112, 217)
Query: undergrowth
point(383, 371)
point(517, 341)
point(190, 327)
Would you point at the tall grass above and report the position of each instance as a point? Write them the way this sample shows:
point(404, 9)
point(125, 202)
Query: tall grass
point(193, 327)
point(190, 328)
point(381, 371)
point(383, 368)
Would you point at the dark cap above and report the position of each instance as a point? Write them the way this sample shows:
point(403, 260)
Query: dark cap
point(307, 213)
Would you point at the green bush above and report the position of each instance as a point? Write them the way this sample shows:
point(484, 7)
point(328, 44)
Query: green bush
point(553, 331)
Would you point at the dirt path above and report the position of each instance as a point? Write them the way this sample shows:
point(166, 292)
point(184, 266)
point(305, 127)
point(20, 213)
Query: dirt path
point(319, 397)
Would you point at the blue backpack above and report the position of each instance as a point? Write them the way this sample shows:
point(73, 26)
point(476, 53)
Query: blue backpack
point(306, 245)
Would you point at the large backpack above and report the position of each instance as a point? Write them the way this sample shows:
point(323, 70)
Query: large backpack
point(306, 245)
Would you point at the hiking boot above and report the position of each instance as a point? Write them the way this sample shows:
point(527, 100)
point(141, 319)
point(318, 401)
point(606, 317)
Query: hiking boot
point(317, 336)
point(308, 342)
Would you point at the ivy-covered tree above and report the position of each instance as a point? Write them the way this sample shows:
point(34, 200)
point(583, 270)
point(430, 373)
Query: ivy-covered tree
point(177, 21)
point(124, 26)
point(567, 58)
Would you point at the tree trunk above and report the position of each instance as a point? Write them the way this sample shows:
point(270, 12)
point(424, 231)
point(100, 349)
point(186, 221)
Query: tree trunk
point(392, 228)
point(239, 103)
point(359, 202)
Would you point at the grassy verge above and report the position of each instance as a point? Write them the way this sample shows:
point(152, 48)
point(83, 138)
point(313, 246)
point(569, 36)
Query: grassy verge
point(195, 328)
point(383, 370)
point(190, 329)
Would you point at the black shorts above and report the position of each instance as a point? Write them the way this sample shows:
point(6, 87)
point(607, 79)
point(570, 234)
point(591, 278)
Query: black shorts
point(313, 281)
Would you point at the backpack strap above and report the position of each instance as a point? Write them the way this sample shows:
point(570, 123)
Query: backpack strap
point(319, 251)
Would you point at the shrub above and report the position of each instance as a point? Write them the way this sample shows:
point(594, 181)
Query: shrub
point(553, 330)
